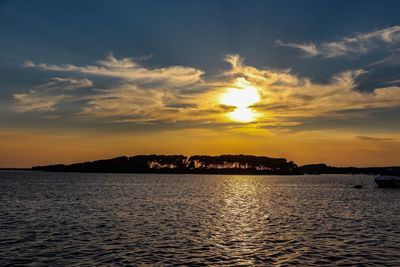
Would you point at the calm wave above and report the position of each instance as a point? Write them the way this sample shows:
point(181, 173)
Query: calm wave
point(130, 219)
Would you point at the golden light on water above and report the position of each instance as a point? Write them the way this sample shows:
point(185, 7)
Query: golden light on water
point(242, 96)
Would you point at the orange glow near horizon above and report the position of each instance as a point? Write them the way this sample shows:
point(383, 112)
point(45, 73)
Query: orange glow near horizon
point(28, 148)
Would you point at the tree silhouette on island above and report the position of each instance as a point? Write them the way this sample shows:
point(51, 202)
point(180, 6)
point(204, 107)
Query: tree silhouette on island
point(203, 164)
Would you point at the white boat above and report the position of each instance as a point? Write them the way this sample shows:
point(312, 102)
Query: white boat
point(387, 181)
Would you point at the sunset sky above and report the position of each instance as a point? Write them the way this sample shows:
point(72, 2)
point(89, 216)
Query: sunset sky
point(311, 81)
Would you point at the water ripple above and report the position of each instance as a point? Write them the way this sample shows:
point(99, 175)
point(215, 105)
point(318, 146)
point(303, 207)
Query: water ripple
point(63, 219)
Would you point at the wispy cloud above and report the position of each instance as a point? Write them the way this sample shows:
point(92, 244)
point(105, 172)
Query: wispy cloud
point(140, 94)
point(67, 84)
point(35, 101)
point(392, 60)
point(151, 105)
point(309, 49)
point(45, 97)
point(129, 70)
point(70, 83)
point(376, 138)
point(286, 98)
point(127, 101)
point(350, 45)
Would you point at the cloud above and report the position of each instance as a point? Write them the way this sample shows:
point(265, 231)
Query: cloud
point(35, 101)
point(397, 81)
point(287, 99)
point(45, 97)
point(135, 104)
point(66, 84)
point(376, 138)
point(129, 70)
point(124, 101)
point(350, 45)
point(392, 60)
point(309, 49)
point(140, 94)
point(72, 84)
point(259, 76)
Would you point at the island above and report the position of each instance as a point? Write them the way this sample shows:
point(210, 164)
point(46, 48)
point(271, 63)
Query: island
point(204, 164)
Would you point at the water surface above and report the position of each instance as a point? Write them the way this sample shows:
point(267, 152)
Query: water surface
point(145, 219)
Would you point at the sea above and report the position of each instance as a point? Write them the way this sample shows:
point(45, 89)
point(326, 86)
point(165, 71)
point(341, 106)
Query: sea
point(75, 219)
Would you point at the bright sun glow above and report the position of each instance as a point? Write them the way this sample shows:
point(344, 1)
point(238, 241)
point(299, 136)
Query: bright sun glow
point(242, 97)
point(243, 115)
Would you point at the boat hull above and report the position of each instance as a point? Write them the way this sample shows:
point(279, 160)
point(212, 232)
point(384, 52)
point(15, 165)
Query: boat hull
point(388, 181)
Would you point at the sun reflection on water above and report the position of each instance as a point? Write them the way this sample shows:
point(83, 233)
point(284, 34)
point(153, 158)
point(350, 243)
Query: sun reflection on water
point(235, 232)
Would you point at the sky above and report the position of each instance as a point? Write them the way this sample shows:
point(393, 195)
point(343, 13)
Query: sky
point(311, 81)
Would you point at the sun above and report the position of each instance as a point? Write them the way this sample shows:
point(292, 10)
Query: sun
point(241, 96)
point(243, 115)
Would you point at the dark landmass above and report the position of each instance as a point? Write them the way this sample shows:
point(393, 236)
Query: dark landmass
point(201, 164)
point(325, 169)
point(15, 169)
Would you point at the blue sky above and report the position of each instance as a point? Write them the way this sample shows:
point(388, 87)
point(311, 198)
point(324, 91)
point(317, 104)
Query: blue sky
point(148, 67)
point(195, 33)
